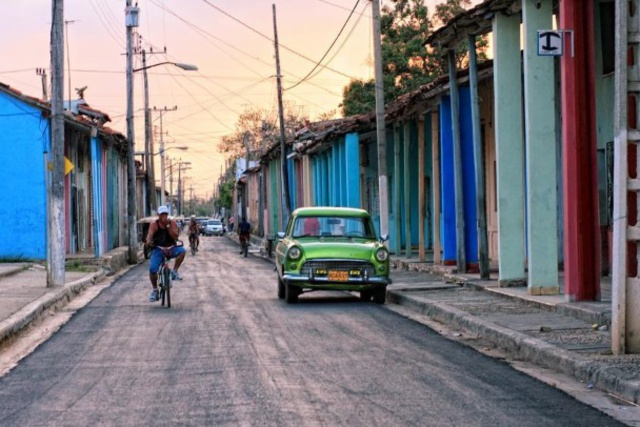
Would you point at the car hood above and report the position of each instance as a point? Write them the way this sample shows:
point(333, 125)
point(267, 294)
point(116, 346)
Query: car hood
point(338, 249)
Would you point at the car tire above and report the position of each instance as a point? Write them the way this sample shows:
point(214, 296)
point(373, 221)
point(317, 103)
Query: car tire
point(365, 295)
point(281, 290)
point(380, 295)
point(291, 293)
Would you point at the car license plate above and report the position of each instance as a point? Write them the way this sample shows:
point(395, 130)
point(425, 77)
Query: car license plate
point(338, 276)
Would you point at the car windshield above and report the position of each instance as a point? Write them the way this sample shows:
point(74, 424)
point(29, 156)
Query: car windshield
point(214, 222)
point(333, 226)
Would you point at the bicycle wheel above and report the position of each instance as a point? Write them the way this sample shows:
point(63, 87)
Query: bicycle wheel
point(166, 283)
point(168, 290)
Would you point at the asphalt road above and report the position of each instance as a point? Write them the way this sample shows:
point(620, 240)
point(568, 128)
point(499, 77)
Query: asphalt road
point(230, 353)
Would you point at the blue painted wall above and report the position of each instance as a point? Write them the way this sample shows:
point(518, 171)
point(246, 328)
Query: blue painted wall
point(352, 170)
point(24, 138)
point(448, 227)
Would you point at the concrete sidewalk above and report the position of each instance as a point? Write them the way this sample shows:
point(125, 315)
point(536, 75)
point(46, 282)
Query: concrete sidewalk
point(25, 297)
point(571, 338)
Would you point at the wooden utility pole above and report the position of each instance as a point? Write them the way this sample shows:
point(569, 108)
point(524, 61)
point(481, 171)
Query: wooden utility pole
point(131, 21)
point(152, 200)
point(55, 168)
point(286, 201)
point(383, 190)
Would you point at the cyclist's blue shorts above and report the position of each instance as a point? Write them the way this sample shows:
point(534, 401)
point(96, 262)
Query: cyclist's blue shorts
point(156, 257)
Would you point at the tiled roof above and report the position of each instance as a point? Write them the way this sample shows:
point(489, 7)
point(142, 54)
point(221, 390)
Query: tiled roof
point(87, 115)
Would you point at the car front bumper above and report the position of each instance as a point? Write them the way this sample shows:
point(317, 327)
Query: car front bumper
point(351, 284)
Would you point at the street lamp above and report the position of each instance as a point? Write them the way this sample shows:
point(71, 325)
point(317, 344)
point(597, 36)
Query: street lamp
point(151, 187)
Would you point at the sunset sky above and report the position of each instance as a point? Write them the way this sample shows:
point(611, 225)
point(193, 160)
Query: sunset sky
point(230, 41)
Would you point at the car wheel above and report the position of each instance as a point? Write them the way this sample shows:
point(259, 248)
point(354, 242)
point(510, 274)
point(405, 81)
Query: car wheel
point(380, 295)
point(365, 295)
point(290, 293)
point(281, 291)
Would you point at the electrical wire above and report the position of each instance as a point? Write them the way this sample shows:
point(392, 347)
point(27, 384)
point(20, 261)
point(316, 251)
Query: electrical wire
point(346, 39)
point(272, 41)
point(329, 48)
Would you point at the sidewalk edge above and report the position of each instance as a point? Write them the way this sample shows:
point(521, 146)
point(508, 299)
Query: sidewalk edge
point(523, 346)
point(57, 296)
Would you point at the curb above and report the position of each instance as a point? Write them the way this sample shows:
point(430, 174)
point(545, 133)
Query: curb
point(524, 347)
point(56, 298)
point(601, 318)
point(14, 270)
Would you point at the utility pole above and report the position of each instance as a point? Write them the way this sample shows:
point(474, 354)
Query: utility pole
point(383, 190)
point(148, 143)
point(131, 21)
point(162, 111)
point(284, 175)
point(170, 181)
point(55, 198)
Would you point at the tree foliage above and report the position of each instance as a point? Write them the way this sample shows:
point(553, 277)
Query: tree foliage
point(259, 129)
point(407, 63)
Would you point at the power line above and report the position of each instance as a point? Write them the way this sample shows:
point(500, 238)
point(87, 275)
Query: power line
point(271, 40)
point(329, 49)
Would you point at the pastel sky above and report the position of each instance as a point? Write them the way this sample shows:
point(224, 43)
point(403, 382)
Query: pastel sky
point(230, 41)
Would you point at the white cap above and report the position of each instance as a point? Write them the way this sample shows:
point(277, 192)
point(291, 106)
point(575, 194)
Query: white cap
point(163, 210)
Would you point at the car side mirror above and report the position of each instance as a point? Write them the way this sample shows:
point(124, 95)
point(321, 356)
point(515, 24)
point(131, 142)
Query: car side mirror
point(384, 238)
point(280, 234)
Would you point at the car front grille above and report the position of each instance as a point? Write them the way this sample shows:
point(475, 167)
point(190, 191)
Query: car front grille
point(309, 268)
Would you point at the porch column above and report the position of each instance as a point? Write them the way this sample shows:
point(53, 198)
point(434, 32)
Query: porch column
point(507, 78)
point(435, 161)
point(397, 189)
point(407, 189)
point(540, 143)
point(421, 189)
point(461, 258)
point(581, 221)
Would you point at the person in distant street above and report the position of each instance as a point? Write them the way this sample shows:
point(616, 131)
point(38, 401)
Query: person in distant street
point(163, 232)
point(193, 232)
point(231, 220)
point(244, 231)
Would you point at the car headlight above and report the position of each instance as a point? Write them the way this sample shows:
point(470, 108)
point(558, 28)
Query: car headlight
point(382, 254)
point(294, 253)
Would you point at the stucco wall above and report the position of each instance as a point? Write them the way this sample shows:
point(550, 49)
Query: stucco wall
point(24, 137)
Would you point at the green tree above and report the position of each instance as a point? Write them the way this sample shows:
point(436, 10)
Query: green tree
point(255, 125)
point(407, 63)
point(225, 196)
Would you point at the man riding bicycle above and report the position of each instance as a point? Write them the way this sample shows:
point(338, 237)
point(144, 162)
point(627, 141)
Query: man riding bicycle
point(194, 232)
point(163, 232)
point(244, 231)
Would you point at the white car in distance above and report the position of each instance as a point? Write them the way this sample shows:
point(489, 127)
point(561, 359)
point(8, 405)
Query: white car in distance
point(213, 227)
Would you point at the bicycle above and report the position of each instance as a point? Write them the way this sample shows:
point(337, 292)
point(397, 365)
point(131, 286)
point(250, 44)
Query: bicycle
point(164, 275)
point(192, 245)
point(244, 245)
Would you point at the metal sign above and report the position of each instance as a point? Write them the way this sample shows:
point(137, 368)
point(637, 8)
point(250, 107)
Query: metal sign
point(550, 43)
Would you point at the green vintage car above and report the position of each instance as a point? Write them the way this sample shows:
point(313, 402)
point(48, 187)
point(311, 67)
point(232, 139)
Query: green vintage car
point(326, 248)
